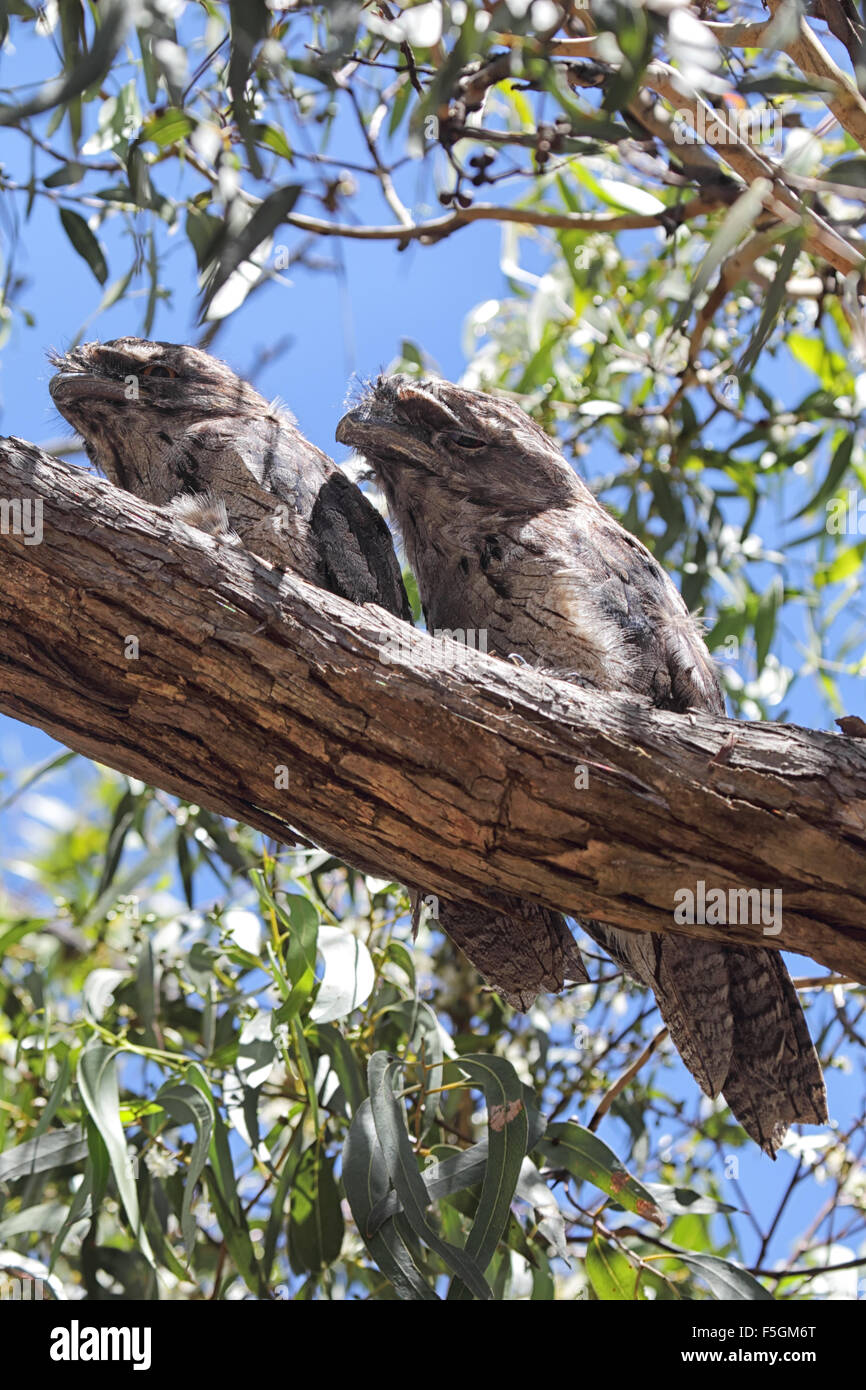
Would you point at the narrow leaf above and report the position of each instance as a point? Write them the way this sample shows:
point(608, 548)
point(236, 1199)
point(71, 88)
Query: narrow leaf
point(84, 242)
point(390, 1121)
point(589, 1159)
point(365, 1180)
point(507, 1133)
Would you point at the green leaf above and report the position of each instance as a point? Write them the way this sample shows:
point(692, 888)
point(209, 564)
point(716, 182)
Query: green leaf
point(58, 1095)
point(467, 1168)
point(41, 770)
point(848, 562)
point(275, 139)
point(737, 224)
point(43, 1153)
point(97, 1082)
point(88, 1195)
point(850, 171)
point(185, 867)
point(611, 1273)
point(422, 1036)
point(772, 302)
point(390, 1121)
point(324, 1037)
point(681, 1201)
point(187, 1105)
point(222, 1188)
point(168, 128)
point(766, 84)
point(507, 1134)
point(441, 1179)
point(765, 621)
point(315, 1233)
point(17, 933)
point(84, 242)
point(839, 465)
point(125, 815)
point(726, 1281)
point(204, 233)
point(249, 24)
point(233, 250)
point(138, 173)
point(73, 172)
point(81, 69)
point(589, 1159)
point(829, 367)
point(366, 1183)
point(288, 1162)
point(301, 917)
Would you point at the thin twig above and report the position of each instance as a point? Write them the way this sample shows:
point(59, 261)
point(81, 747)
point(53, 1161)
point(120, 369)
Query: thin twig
point(439, 227)
point(623, 1080)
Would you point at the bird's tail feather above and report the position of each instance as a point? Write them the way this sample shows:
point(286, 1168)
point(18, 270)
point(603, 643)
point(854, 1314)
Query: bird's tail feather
point(690, 980)
point(735, 1019)
point(523, 951)
point(775, 1076)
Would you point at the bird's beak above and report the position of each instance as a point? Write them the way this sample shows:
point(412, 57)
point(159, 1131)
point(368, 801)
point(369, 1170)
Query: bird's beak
point(367, 424)
point(346, 429)
point(72, 383)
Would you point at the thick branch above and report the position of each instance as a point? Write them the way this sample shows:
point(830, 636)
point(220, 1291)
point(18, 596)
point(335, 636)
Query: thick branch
point(451, 770)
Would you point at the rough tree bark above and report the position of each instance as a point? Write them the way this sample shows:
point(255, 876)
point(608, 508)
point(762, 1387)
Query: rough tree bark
point(436, 765)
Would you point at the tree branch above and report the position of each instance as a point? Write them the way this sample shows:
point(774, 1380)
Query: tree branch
point(409, 756)
point(845, 253)
point(437, 228)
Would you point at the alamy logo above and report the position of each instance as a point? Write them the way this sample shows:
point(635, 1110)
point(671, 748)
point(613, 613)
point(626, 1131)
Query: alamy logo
point(24, 1290)
point(731, 126)
point(76, 1343)
point(715, 907)
point(22, 516)
point(452, 641)
point(846, 515)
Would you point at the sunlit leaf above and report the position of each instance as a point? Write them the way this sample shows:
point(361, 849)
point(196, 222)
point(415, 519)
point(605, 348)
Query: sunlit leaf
point(589, 1159)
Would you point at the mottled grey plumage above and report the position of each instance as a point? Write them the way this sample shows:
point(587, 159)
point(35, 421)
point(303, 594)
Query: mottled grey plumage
point(178, 428)
point(163, 420)
point(503, 536)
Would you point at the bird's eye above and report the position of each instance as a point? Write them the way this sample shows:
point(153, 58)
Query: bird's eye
point(158, 369)
point(466, 441)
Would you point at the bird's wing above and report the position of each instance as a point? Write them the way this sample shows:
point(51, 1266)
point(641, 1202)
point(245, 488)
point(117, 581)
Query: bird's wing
point(659, 640)
point(690, 980)
point(356, 552)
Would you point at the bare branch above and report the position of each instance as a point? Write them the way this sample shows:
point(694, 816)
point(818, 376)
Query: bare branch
point(439, 227)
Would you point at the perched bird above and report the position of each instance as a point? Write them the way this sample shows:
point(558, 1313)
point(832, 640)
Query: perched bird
point(502, 535)
point(178, 428)
point(163, 420)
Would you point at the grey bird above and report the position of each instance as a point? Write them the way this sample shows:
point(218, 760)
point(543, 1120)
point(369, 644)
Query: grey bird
point(177, 427)
point(502, 535)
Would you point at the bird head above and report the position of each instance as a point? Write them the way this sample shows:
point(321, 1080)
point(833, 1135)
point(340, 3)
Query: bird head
point(132, 399)
point(423, 435)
